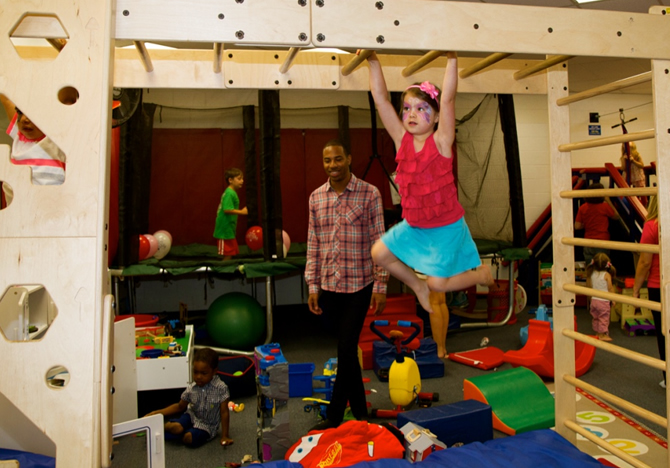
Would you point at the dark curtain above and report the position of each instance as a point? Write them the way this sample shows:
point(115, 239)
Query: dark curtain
point(134, 182)
point(270, 155)
point(511, 141)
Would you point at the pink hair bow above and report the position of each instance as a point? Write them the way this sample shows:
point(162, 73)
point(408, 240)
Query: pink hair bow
point(428, 88)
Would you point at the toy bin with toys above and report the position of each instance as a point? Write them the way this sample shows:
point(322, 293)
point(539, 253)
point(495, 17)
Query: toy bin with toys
point(171, 368)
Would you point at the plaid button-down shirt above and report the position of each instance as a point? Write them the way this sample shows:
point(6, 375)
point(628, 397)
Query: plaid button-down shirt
point(342, 229)
point(204, 404)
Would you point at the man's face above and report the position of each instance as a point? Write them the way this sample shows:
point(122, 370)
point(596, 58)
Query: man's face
point(336, 164)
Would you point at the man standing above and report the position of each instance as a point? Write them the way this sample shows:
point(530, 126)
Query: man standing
point(345, 219)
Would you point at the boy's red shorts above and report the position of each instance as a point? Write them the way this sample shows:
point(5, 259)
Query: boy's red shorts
point(228, 247)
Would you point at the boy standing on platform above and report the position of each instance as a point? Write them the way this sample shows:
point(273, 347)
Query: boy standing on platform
point(227, 213)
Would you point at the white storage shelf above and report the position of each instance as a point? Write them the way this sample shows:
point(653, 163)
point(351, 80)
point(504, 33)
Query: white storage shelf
point(159, 374)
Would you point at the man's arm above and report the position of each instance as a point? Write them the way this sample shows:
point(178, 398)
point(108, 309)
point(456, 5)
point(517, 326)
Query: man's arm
point(381, 276)
point(312, 267)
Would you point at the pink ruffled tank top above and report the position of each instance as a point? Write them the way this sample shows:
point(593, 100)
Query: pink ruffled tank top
point(426, 184)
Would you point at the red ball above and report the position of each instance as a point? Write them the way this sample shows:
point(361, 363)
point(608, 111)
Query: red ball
point(145, 247)
point(254, 237)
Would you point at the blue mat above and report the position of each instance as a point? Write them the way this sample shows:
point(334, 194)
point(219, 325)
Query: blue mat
point(27, 459)
point(542, 448)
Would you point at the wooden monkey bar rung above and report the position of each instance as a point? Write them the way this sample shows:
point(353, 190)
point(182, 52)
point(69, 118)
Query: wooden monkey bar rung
point(421, 62)
point(613, 245)
point(550, 62)
point(288, 61)
point(608, 88)
point(596, 142)
point(611, 192)
point(482, 64)
point(618, 401)
point(218, 57)
point(144, 56)
point(604, 444)
point(357, 59)
point(634, 301)
point(614, 349)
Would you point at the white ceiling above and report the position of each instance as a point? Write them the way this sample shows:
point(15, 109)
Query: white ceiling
point(588, 72)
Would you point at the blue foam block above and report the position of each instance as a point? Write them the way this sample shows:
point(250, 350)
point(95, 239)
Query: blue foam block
point(464, 421)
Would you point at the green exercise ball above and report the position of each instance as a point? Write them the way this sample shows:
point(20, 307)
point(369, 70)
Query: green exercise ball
point(236, 320)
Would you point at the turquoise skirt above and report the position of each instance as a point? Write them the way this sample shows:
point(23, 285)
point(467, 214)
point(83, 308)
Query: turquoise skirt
point(442, 252)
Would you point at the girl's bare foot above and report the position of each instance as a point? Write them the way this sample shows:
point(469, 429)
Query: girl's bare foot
point(486, 278)
point(604, 337)
point(442, 353)
point(188, 438)
point(174, 428)
point(423, 295)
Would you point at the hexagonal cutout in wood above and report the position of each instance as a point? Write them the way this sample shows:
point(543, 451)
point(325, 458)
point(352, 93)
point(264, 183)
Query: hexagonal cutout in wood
point(33, 30)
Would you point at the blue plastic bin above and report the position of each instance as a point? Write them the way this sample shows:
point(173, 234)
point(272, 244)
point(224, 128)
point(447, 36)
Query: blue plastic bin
point(300, 379)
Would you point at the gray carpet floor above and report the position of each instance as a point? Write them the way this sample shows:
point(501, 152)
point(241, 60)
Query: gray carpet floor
point(304, 338)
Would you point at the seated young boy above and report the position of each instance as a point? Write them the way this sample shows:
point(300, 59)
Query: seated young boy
point(204, 405)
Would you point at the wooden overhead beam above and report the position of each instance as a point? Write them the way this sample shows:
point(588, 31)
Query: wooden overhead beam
point(482, 64)
point(474, 27)
point(261, 69)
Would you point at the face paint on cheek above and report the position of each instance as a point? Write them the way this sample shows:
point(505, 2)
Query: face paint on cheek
point(428, 114)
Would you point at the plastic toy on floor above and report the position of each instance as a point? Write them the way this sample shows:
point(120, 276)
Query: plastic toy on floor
point(488, 357)
point(538, 353)
point(541, 313)
point(404, 376)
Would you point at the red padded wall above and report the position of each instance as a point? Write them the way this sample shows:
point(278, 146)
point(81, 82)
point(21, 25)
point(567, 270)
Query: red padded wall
point(187, 177)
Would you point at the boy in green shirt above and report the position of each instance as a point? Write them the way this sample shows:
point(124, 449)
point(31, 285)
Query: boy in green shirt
point(226, 215)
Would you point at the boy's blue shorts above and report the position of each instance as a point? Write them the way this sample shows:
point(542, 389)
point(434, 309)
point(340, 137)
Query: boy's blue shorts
point(199, 436)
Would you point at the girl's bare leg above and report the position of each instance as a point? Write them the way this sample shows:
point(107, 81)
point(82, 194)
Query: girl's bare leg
point(439, 322)
point(481, 275)
point(383, 257)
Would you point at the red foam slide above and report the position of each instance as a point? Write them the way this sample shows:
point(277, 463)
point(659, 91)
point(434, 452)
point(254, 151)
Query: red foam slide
point(538, 353)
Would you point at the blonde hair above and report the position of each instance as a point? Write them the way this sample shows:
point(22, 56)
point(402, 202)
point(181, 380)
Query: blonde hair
point(634, 153)
point(652, 208)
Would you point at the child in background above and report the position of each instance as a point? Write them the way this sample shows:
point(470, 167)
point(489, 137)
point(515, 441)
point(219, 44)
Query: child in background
point(433, 237)
point(599, 274)
point(204, 405)
point(593, 216)
point(33, 149)
point(637, 177)
point(225, 228)
point(439, 322)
